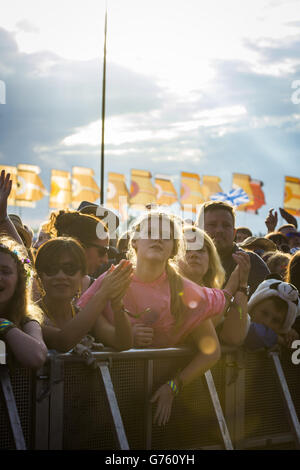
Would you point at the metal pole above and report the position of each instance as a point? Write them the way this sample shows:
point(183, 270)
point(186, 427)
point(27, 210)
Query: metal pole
point(103, 114)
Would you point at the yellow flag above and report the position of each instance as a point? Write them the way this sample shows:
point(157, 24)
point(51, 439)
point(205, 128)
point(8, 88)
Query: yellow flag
point(292, 195)
point(60, 193)
point(117, 194)
point(29, 186)
point(243, 181)
point(12, 170)
point(84, 186)
point(190, 191)
point(210, 186)
point(166, 193)
point(142, 191)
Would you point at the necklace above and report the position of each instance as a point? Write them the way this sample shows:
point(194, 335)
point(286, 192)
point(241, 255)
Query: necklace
point(46, 311)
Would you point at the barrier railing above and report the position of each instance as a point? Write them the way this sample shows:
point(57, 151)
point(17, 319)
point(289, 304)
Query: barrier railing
point(247, 400)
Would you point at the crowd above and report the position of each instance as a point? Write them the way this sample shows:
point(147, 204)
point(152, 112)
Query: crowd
point(164, 283)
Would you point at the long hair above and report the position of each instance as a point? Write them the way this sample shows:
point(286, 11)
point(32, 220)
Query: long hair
point(174, 278)
point(20, 304)
point(293, 270)
point(215, 275)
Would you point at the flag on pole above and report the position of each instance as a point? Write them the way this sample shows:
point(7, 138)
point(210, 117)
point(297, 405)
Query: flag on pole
point(292, 195)
point(84, 186)
point(190, 191)
point(235, 197)
point(242, 181)
point(12, 170)
point(29, 186)
point(166, 193)
point(117, 194)
point(61, 191)
point(258, 197)
point(142, 191)
point(210, 186)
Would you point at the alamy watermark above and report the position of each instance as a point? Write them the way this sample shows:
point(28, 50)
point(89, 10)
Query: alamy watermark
point(152, 230)
point(296, 354)
point(2, 92)
point(295, 98)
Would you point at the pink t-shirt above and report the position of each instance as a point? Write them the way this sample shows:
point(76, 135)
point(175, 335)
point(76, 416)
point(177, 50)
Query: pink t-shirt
point(200, 303)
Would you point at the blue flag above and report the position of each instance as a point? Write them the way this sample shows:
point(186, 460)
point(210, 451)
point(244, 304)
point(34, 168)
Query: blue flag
point(235, 197)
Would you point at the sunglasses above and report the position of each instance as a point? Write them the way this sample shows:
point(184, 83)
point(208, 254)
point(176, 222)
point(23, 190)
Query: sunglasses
point(102, 250)
point(69, 269)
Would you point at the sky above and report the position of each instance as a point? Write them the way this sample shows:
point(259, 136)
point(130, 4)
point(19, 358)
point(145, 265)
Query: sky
point(192, 85)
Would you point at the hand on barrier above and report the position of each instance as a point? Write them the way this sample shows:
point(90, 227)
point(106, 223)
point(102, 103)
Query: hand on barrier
point(164, 397)
point(142, 335)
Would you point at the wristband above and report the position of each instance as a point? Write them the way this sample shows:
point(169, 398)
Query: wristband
point(173, 387)
point(244, 290)
point(5, 326)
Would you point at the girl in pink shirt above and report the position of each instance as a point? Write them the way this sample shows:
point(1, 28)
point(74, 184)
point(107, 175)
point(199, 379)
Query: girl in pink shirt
point(165, 308)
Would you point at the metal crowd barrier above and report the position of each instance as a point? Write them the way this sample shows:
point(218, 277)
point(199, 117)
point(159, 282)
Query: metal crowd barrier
point(246, 401)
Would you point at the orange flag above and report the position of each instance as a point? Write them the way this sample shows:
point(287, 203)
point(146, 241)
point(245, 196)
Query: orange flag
point(117, 194)
point(60, 193)
point(84, 186)
point(240, 180)
point(258, 197)
point(29, 186)
point(292, 195)
point(210, 186)
point(190, 192)
point(142, 191)
point(166, 193)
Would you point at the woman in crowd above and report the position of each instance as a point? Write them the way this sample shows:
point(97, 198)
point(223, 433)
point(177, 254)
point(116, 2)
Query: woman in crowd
point(19, 318)
point(176, 309)
point(61, 266)
point(202, 265)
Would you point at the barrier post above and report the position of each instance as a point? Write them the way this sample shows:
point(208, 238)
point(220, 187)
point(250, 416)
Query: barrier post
point(286, 396)
point(11, 407)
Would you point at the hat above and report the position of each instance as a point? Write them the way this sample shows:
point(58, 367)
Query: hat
point(258, 242)
point(24, 231)
point(283, 290)
point(101, 212)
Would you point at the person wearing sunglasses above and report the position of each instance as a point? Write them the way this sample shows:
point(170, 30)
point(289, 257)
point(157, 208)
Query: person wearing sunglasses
point(61, 265)
point(92, 234)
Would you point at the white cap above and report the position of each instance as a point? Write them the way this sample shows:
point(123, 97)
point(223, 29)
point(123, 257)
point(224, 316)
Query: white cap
point(283, 290)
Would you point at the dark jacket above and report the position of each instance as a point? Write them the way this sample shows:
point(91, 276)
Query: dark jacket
point(258, 271)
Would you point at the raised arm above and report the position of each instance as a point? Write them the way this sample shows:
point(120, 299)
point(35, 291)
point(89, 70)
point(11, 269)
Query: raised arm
point(236, 322)
point(6, 226)
point(70, 334)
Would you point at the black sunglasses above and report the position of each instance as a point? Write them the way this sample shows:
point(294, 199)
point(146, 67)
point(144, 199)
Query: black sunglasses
point(102, 250)
point(69, 269)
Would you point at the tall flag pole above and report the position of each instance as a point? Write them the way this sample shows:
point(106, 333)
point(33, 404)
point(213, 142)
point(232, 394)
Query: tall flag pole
point(103, 114)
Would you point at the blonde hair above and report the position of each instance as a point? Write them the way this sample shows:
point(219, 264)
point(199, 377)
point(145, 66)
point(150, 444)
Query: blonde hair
point(174, 278)
point(215, 275)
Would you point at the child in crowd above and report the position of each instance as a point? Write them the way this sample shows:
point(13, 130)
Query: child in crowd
point(19, 317)
point(166, 309)
point(273, 308)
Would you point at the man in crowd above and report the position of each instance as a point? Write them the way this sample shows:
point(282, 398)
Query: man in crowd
point(217, 218)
